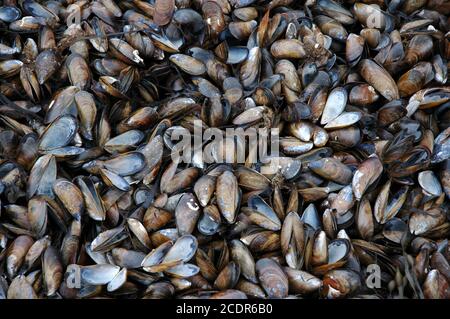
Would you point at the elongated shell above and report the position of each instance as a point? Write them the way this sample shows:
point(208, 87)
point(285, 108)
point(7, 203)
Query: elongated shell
point(379, 78)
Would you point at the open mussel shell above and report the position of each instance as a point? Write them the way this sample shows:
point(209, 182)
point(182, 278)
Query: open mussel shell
point(233, 54)
point(42, 176)
point(260, 213)
point(336, 102)
point(337, 254)
point(98, 274)
point(108, 239)
point(152, 261)
point(429, 183)
point(183, 249)
point(210, 222)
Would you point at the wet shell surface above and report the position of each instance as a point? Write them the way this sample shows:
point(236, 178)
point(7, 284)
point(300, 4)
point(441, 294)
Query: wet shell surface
point(219, 149)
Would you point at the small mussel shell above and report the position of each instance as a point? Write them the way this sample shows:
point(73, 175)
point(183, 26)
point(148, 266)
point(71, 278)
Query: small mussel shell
point(42, 176)
point(183, 249)
point(159, 290)
point(262, 214)
point(241, 30)
point(155, 257)
point(10, 67)
point(338, 251)
point(9, 14)
point(429, 183)
point(288, 49)
point(367, 173)
point(250, 289)
point(379, 78)
point(415, 79)
point(20, 288)
point(125, 164)
point(391, 112)
point(47, 63)
point(16, 254)
point(118, 281)
point(243, 257)
point(286, 166)
point(336, 102)
point(163, 11)
point(354, 48)
point(93, 203)
point(363, 94)
point(26, 24)
point(183, 270)
point(187, 213)
point(340, 283)
point(343, 120)
point(156, 218)
point(272, 278)
point(126, 258)
point(70, 196)
point(296, 112)
point(293, 146)
point(209, 222)
point(204, 189)
point(245, 13)
point(52, 269)
point(59, 133)
point(98, 274)
point(228, 195)
point(188, 64)
point(435, 286)
point(370, 16)
point(345, 137)
point(394, 230)
point(302, 282)
point(331, 27)
point(124, 142)
point(78, 71)
point(228, 277)
point(140, 119)
point(332, 169)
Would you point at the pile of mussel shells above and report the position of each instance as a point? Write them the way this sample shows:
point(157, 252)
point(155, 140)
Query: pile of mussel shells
point(94, 205)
